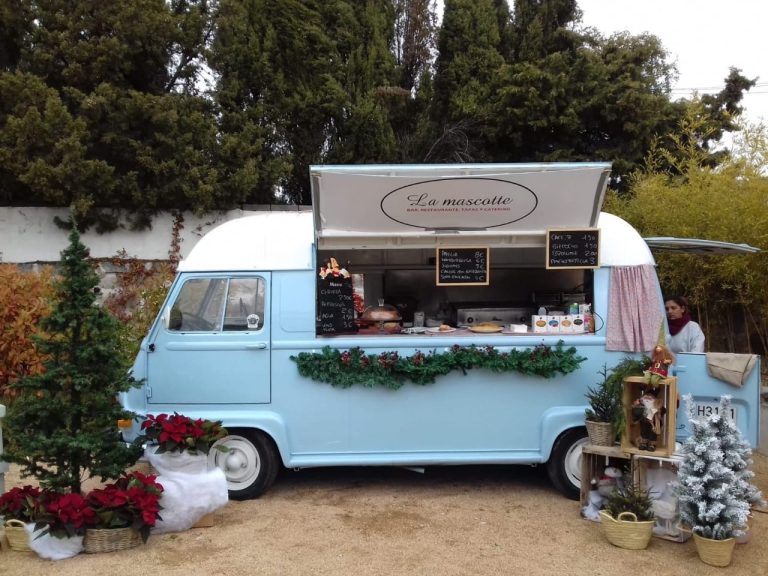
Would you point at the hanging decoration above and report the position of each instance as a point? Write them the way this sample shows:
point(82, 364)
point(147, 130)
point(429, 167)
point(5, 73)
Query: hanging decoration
point(390, 370)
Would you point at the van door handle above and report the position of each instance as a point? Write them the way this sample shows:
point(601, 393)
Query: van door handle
point(259, 346)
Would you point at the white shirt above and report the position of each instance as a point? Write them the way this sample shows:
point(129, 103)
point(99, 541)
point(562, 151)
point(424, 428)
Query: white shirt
point(689, 339)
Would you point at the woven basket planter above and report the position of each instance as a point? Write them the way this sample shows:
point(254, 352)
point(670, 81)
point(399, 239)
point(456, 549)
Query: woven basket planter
point(627, 531)
point(600, 433)
point(18, 539)
point(110, 539)
point(714, 552)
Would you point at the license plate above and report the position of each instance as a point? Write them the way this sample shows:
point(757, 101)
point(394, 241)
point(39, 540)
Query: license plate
point(708, 408)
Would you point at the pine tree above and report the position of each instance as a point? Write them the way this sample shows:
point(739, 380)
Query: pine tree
point(709, 501)
point(64, 421)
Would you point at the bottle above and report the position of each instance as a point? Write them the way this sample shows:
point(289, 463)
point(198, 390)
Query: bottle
point(573, 308)
point(542, 311)
point(589, 321)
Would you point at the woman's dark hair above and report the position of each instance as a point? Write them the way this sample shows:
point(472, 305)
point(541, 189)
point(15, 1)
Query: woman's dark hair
point(679, 300)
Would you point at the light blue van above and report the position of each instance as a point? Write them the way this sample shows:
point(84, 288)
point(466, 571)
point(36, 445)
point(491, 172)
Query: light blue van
point(250, 299)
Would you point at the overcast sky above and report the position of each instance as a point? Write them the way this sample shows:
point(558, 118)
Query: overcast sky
point(704, 37)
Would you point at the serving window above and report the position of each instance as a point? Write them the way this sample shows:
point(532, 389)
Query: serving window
point(518, 285)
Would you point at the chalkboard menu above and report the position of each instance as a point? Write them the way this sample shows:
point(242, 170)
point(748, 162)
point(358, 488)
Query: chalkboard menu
point(578, 248)
point(462, 266)
point(335, 305)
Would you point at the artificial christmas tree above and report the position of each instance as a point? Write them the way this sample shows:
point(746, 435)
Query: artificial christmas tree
point(737, 455)
point(711, 504)
point(64, 420)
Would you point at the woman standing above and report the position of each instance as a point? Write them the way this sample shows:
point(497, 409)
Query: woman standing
point(686, 334)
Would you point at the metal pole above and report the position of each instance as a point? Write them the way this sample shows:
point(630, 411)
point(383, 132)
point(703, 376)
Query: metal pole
point(3, 465)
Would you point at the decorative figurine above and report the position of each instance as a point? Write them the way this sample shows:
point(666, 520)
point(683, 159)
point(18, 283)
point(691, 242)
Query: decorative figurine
point(648, 410)
point(594, 503)
point(661, 359)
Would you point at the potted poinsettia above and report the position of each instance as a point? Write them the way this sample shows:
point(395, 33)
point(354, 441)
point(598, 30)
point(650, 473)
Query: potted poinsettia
point(19, 506)
point(60, 525)
point(179, 443)
point(125, 510)
point(179, 433)
point(178, 449)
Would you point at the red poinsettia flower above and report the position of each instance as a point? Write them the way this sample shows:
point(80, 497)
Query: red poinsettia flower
point(133, 500)
point(68, 514)
point(179, 433)
point(20, 503)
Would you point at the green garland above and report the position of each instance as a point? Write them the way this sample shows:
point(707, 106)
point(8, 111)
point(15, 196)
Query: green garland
point(390, 370)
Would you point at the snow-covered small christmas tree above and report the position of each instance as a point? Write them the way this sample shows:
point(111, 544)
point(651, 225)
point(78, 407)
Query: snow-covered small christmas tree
point(711, 503)
point(737, 453)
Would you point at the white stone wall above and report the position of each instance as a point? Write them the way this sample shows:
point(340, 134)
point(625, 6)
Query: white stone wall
point(29, 235)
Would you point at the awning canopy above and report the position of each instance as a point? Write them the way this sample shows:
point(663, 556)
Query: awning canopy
point(423, 206)
point(696, 246)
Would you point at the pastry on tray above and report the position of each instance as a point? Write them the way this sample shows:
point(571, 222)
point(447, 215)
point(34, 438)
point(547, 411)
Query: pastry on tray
point(485, 327)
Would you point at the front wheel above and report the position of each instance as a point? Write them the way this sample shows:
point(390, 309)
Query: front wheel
point(250, 464)
point(564, 464)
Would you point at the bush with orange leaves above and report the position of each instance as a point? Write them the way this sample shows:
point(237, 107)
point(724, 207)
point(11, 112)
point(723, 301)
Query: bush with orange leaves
point(26, 297)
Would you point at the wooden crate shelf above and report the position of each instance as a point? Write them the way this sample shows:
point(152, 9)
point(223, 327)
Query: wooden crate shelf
point(632, 438)
point(594, 460)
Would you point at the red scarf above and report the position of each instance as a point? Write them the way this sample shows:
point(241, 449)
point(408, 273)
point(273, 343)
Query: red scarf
point(677, 324)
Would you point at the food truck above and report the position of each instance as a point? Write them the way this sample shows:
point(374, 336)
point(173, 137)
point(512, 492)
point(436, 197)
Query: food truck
point(418, 315)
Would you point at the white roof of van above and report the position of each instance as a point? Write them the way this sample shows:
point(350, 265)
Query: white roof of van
point(621, 244)
point(285, 241)
point(263, 241)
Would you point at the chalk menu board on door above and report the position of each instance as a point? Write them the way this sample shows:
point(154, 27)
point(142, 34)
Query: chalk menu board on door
point(335, 304)
point(462, 266)
point(577, 248)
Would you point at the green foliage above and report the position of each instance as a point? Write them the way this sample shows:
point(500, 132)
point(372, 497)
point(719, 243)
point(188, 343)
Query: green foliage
point(108, 107)
point(630, 498)
point(95, 116)
point(604, 401)
point(390, 370)
point(64, 420)
point(614, 383)
point(729, 294)
point(468, 61)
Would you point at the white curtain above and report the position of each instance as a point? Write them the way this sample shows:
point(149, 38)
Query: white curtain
point(634, 309)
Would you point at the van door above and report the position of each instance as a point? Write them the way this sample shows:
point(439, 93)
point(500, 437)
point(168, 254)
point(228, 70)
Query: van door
point(213, 346)
point(691, 369)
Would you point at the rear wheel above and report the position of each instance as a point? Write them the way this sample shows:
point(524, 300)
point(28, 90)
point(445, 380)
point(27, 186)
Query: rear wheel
point(564, 465)
point(250, 464)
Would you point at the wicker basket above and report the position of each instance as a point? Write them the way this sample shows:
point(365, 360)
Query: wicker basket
point(600, 433)
point(632, 534)
point(110, 539)
point(714, 552)
point(18, 539)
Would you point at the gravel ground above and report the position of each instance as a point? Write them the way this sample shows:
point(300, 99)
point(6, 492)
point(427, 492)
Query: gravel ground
point(388, 521)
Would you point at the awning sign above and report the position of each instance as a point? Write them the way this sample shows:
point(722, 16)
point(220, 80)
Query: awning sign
point(363, 202)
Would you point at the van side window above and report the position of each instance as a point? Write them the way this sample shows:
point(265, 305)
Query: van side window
point(245, 304)
point(215, 304)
